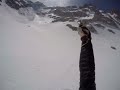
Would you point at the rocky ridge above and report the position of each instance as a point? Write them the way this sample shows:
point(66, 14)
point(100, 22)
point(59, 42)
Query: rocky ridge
point(88, 13)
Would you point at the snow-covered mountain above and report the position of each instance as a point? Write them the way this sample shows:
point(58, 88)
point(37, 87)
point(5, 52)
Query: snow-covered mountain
point(40, 48)
point(87, 13)
point(17, 4)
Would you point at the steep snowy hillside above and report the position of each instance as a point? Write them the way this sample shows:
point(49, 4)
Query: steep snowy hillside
point(42, 55)
point(17, 4)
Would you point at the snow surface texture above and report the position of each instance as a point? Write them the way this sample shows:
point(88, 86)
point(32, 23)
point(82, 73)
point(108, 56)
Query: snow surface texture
point(39, 55)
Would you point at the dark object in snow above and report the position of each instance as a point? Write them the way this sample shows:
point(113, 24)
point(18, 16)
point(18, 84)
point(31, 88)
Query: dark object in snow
point(111, 31)
point(87, 64)
point(61, 19)
point(72, 27)
point(113, 48)
point(0, 2)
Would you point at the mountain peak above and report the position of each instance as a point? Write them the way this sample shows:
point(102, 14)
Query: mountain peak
point(17, 4)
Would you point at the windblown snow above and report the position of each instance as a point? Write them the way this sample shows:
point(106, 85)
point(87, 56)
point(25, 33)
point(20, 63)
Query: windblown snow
point(39, 55)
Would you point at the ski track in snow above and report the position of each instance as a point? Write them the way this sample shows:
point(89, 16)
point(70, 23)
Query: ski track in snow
point(42, 56)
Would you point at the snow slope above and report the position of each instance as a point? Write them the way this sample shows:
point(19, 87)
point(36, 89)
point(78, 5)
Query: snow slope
point(45, 56)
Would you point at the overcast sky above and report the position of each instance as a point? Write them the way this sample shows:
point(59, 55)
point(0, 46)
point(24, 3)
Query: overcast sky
point(107, 4)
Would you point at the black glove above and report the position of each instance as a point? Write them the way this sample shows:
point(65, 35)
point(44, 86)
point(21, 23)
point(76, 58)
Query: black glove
point(84, 32)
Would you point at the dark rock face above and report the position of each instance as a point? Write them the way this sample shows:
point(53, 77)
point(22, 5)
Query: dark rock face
point(89, 6)
point(37, 5)
point(98, 17)
point(71, 13)
point(0, 2)
point(118, 18)
point(106, 20)
point(100, 26)
point(115, 21)
point(62, 19)
point(63, 14)
point(16, 4)
point(68, 13)
point(92, 29)
point(111, 31)
point(115, 11)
